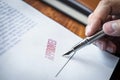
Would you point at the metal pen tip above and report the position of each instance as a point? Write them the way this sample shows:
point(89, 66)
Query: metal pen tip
point(68, 52)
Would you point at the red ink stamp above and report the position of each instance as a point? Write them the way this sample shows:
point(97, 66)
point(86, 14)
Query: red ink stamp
point(50, 49)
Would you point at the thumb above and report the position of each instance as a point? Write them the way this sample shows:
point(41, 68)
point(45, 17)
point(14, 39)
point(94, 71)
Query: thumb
point(112, 28)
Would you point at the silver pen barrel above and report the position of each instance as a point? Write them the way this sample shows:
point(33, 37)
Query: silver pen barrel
point(89, 40)
point(86, 41)
point(95, 37)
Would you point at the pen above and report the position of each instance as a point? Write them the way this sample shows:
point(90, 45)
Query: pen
point(86, 41)
point(83, 43)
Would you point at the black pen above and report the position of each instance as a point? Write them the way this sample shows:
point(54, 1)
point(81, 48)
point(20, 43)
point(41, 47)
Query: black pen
point(86, 41)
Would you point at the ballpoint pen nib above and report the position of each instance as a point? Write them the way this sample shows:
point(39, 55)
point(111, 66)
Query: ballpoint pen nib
point(68, 52)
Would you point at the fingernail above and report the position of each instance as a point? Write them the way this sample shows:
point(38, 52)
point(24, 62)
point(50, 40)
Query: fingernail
point(110, 27)
point(114, 26)
point(87, 32)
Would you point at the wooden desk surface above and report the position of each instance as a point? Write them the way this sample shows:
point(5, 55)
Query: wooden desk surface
point(59, 17)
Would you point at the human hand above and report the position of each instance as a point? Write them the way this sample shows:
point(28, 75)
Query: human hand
point(106, 16)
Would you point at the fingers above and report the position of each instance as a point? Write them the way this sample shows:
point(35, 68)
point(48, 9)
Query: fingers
point(93, 25)
point(98, 17)
point(112, 28)
point(106, 10)
point(106, 45)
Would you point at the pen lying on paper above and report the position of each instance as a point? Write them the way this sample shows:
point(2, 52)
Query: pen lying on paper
point(86, 41)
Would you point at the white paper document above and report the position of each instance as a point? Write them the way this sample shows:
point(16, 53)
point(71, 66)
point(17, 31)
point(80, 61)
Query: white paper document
point(32, 45)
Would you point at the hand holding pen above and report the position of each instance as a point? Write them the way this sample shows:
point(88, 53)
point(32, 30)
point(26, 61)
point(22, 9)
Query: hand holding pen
point(86, 41)
point(107, 16)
